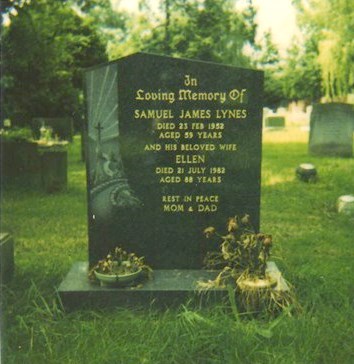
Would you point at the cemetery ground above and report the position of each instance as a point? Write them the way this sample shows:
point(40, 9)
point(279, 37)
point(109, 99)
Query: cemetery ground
point(313, 247)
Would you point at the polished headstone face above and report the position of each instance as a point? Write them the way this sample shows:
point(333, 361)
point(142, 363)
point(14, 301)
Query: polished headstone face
point(174, 146)
point(332, 127)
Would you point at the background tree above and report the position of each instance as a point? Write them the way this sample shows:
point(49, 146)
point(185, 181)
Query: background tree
point(138, 31)
point(199, 29)
point(301, 73)
point(330, 24)
point(45, 48)
point(267, 58)
point(112, 25)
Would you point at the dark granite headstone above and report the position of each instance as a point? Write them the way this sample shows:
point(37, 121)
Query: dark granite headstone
point(174, 146)
point(54, 167)
point(7, 265)
point(20, 163)
point(33, 165)
point(62, 127)
point(331, 132)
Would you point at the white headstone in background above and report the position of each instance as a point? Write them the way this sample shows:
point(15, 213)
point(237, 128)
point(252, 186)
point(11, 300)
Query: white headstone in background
point(297, 106)
point(281, 111)
point(309, 109)
point(267, 111)
point(345, 205)
point(332, 127)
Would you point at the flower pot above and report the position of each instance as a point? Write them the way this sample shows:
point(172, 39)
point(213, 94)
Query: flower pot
point(256, 294)
point(117, 278)
point(306, 172)
point(248, 284)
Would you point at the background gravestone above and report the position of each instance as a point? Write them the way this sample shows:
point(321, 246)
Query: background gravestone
point(173, 146)
point(54, 167)
point(331, 132)
point(26, 163)
point(63, 127)
point(20, 163)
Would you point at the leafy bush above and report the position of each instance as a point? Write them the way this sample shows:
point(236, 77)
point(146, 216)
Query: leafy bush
point(16, 134)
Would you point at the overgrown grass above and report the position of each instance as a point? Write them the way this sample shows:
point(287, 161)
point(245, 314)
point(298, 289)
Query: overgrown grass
point(313, 248)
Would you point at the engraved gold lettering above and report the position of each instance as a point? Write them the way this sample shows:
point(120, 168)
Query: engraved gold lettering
point(189, 159)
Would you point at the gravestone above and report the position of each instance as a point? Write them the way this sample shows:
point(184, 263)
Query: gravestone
point(173, 146)
point(345, 205)
point(20, 163)
point(34, 165)
point(62, 127)
point(331, 130)
point(54, 167)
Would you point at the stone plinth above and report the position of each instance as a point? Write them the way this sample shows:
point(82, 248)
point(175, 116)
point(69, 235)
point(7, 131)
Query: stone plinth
point(168, 287)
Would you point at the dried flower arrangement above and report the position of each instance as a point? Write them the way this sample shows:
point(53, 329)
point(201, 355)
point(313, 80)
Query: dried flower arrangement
point(242, 259)
point(119, 267)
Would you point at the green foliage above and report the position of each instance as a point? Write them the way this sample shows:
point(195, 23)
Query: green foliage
point(206, 30)
point(301, 74)
point(111, 24)
point(9, 5)
point(295, 76)
point(330, 23)
point(268, 59)
point(16, 134)
point(45, 48)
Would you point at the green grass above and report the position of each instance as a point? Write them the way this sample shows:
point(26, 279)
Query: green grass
point(313, 248)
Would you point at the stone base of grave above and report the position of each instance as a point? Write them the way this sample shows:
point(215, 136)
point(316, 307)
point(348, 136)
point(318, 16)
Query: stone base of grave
point(167, 288)
point(7, 265)
point(332, 150)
